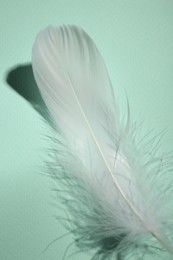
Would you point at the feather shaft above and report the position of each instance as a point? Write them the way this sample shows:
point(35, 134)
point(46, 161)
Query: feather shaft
point(153, 232)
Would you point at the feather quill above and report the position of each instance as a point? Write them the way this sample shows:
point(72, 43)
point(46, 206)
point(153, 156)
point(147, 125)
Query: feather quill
point(111, 180)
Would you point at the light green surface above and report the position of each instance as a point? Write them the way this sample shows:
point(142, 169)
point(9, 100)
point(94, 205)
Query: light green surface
point(136, 41)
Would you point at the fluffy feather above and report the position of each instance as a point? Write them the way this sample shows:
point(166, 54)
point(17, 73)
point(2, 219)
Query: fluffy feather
point(115, 195)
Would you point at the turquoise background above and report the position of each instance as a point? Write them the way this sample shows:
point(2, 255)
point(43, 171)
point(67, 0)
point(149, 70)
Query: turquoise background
point(135, 38)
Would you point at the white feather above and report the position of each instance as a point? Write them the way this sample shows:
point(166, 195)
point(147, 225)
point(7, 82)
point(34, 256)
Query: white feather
point(109, 166)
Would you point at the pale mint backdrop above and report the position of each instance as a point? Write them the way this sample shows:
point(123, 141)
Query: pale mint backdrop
point(135, 38)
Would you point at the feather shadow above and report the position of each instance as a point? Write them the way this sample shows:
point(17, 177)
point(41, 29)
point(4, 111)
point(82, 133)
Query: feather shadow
point(21, 79)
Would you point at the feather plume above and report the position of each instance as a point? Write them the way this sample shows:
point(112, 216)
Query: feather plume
point(114, 180)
